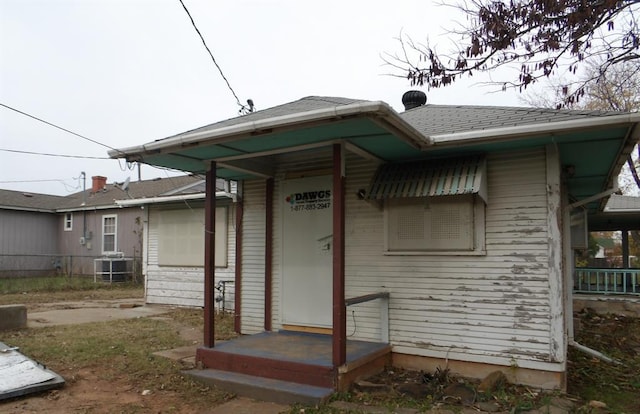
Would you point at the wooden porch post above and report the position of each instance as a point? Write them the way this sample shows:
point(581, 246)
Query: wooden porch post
point(209, 256)
point(268, 254)
point(237, 301)
point(339, 336)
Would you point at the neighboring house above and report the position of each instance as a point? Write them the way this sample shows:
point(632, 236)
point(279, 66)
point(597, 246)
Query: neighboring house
point(626, 210)
point(28, 233)
point(614, 270)
point(106, 226)
point(457, 217)
point(94, 226)
point(173, 245)
point(605, 247)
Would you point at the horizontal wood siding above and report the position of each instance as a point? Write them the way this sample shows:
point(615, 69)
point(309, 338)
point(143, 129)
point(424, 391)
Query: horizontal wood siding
point(253, 227)
point(492, 308)
point(184, 286)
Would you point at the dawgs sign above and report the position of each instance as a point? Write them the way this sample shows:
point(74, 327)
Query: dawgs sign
point(309, 200)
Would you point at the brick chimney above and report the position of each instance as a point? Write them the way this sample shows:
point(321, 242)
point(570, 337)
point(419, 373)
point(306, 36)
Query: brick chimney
point(98, 183)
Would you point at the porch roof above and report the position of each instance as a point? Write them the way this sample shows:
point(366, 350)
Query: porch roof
point(371, 128)
point(592, 145)
point(621, 213)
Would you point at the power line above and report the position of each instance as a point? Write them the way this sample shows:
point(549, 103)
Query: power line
point(31, 181)
point(243, 108)
point(58, 127)
point(54, 155)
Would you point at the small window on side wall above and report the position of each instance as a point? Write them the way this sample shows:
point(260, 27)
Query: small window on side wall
point(68, 221)
point(448, 225)
point(109, 232)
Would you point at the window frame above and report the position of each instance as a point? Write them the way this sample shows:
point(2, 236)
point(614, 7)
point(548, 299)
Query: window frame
point(478, 227)
point(67, 221)
point(114, 234)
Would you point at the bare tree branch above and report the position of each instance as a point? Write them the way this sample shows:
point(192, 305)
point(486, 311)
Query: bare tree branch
point(540, 35)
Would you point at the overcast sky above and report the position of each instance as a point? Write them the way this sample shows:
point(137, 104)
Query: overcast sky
point(126, 72)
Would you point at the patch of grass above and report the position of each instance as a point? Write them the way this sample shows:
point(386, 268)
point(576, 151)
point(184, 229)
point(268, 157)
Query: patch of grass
point(194, 318)
point(53, 284)
point(62, 288)
point(120, 349)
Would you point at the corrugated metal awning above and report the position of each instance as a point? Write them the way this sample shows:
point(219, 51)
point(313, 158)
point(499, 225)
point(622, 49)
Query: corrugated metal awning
point(428, 178)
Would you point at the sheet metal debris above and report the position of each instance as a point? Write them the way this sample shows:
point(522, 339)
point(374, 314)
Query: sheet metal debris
point(20, 375)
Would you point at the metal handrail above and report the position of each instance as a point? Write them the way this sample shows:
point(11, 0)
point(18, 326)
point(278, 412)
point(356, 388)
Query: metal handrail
point(366, 298)
point(384, 310)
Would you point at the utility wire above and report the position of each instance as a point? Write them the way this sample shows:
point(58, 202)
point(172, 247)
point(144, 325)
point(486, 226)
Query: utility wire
point(242, 107)
point(31, 181)
point(56, 126)
point(54, 155)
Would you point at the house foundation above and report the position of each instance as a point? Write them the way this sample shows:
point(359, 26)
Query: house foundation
point(547, 380)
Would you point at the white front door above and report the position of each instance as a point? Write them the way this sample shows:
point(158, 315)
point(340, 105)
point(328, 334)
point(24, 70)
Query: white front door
point(307, 252)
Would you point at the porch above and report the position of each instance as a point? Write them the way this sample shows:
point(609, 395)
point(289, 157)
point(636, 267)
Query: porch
point(288, 366)
point(607, 281)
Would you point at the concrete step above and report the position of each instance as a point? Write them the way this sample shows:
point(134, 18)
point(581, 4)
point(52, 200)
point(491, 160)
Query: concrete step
point(259, 388)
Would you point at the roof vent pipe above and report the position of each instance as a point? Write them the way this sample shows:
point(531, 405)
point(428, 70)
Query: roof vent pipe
point(413, 99)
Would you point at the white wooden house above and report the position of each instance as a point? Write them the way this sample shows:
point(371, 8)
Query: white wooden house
point(173, 245)
point(455, 219)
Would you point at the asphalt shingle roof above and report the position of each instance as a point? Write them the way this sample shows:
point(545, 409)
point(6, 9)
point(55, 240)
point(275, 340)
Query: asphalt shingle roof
point(185, 184)
point(136, 189)
point(447, 119)
point(305, 104)
point(428, 119)
point(21, 200)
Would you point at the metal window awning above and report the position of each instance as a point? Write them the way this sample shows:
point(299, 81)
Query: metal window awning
point(429, 178)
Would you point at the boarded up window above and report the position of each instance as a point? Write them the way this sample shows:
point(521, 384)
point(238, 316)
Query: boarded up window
point(430, 224)
point(181, 237)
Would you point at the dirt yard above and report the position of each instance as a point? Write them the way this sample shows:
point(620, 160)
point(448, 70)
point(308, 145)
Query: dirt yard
point(110, 367)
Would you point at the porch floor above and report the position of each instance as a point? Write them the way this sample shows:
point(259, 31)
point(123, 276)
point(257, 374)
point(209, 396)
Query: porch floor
point(301, 347)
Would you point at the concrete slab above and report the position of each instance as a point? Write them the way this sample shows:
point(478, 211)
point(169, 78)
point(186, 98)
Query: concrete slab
point(13, 317)
point(180, 354)
point(92, 311)
point(249, 406)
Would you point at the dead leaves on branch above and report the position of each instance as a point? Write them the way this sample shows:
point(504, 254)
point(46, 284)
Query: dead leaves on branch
point(540, 34)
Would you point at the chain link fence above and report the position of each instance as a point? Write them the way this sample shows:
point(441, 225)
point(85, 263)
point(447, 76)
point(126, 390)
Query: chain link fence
point(39, 265)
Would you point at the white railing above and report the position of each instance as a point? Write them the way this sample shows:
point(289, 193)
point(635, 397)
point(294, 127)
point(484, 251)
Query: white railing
point(609, 281)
